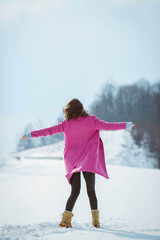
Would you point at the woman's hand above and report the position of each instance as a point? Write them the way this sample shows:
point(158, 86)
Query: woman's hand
point(25, 137)
point(133, 124)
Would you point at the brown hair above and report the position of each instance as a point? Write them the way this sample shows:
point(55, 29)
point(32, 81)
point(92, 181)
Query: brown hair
point(73, 109)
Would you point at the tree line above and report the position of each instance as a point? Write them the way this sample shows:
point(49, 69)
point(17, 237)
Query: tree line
point(138, 103)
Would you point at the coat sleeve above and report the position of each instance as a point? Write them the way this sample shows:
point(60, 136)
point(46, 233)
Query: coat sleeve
point(102, 125)
point(59, 128)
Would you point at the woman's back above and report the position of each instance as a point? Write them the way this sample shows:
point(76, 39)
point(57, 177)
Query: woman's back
point(79, 132)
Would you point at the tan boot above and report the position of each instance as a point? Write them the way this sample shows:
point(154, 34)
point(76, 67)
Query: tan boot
point(95, 218)
point(66, 219)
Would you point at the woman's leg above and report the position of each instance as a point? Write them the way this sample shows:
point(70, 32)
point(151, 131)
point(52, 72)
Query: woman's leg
point(75, 190)
point(90, 184)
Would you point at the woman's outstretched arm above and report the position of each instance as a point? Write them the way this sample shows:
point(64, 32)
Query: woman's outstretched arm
point(46, 131)
point(111, 126)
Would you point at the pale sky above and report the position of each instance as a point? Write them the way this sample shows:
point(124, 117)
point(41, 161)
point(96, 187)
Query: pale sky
point(54, 50)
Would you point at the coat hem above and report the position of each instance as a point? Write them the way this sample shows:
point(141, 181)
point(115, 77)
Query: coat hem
point(97, 172)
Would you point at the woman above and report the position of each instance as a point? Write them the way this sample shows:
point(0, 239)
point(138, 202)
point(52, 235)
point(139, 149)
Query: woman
point(83, 152)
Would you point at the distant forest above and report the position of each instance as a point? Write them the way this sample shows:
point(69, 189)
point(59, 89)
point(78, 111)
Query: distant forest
point(138, 103)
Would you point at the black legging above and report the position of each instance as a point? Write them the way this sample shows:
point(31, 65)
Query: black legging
point(75, 189)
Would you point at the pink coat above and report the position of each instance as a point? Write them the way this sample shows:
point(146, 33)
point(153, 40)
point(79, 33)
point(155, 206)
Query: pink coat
point(83, 149)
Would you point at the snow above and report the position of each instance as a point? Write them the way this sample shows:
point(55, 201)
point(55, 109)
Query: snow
point(34, 193)
point(6, 160)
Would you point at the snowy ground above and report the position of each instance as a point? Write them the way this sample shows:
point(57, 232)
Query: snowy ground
point(33, 194)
